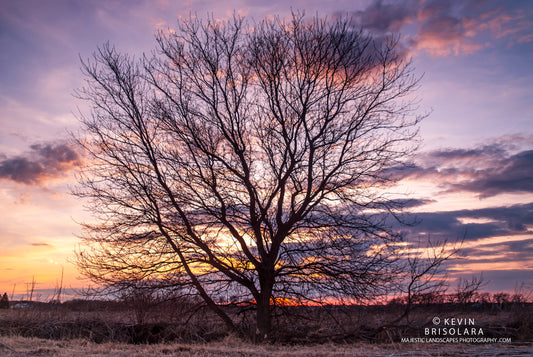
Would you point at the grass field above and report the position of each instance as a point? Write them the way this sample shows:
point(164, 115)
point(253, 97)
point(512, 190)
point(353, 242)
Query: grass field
point(30, 346)
point(112, 329)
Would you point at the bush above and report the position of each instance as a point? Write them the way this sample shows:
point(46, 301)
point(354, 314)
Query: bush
point(4, 302)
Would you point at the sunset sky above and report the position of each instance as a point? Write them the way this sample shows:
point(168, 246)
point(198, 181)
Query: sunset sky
point(472, 177)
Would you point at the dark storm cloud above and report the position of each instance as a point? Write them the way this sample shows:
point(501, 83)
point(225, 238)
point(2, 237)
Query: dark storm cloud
point(44, 161)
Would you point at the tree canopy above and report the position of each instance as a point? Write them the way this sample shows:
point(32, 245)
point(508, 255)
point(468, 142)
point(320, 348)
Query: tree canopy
point(247, 162)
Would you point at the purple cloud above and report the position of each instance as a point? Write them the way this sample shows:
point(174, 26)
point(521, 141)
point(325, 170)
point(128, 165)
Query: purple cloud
point(471, 225)
point(445, 27)
point(380, 17)
point(43, 162)
point(487, 170)
point(515, 175)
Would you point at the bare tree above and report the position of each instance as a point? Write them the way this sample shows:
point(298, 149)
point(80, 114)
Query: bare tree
point(30, 288)
point(56, 297)
point(424, 273)
point(248, 161)
point(467, 289)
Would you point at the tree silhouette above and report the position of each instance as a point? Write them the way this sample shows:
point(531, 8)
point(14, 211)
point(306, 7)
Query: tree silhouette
point(425, 278)
point(4, 302)
point(247, 163)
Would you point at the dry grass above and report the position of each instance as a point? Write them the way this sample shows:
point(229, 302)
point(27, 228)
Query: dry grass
point(357, 331)
point(230, 347)
point(106, 325)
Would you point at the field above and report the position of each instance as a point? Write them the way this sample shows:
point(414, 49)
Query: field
point(113, 329)
point(29, 346)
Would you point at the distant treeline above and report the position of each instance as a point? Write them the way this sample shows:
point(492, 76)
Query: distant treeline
point(474, 298)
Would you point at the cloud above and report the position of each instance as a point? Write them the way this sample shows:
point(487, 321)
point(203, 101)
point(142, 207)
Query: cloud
point(403, 203)
point(487, 170)
point(41, 244)
point(381, 17)
point(514, 250)
point(515, 175)
point(445, 28)
point(43, 162)
point(473, 224)
point(413, 202)
point(499, 280)
point(449, 28)
point(494, 239)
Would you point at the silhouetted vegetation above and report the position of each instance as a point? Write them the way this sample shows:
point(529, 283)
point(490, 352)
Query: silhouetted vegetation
point(499, 314)
point(4, 302)
point(248, 162)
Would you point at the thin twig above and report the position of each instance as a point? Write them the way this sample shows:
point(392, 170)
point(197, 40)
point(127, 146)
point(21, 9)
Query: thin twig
point(7, 346)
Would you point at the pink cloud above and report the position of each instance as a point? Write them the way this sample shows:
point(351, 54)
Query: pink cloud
point(443, 35)
point(448, 28)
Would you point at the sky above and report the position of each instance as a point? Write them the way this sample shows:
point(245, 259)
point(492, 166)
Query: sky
point(471, 180)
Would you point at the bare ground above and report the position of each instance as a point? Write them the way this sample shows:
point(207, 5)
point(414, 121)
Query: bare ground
point(29, 346)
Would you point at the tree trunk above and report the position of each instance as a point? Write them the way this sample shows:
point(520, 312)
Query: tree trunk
point(264, 308)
